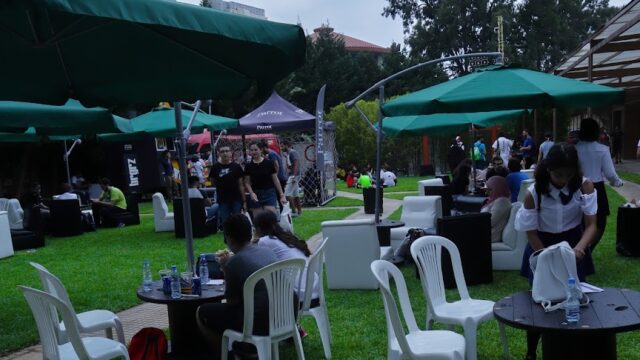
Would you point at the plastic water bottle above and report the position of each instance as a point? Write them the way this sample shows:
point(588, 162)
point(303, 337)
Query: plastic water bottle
point(175, 283)
point(204, 270)
point(146, 276)
point(572, 305)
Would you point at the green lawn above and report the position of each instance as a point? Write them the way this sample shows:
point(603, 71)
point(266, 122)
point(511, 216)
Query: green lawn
point(400, 196)
point(91, 264)
point(630, 176)
point(101, 270)
point(344, 202)
point(404, 183)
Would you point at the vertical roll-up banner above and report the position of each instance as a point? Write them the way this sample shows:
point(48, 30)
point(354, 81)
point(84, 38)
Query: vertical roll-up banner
point(320, 131)
point(131, 169)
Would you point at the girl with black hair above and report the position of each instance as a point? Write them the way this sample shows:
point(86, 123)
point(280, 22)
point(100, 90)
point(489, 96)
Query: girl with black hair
point(560, 206)
point(460, 183)
point(597, 165)
point(283, 243)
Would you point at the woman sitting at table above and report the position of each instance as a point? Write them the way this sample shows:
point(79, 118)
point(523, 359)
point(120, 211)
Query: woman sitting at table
point(460, 183)
point(555, 209)
point(498, 205)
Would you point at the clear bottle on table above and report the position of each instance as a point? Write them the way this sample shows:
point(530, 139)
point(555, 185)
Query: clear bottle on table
point(204, 270)
point(147, 280)
point(175, 283)
point(572, 305)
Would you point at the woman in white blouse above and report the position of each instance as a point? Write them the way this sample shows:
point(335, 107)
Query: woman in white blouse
point(498, 204)
point(554, 210)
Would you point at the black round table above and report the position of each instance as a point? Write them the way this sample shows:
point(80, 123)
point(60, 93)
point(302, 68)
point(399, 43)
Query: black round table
point(594, 337)
point(186, 340)
point(384, 230)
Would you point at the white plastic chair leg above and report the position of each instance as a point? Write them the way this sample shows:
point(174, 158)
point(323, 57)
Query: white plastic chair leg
point(470, 333)
point(322, 321)
point(505, 343)
point(298, 342)
point(224, 348)
point(430, 320)
point(264, 349)
point(275, 352)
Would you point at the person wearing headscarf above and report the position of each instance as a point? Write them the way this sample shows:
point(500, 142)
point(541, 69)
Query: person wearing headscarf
point(498, 205)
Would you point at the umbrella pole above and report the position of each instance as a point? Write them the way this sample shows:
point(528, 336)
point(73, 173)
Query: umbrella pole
point(66, 162)
point(181, 144)
point(473, 149)
point(378, 155)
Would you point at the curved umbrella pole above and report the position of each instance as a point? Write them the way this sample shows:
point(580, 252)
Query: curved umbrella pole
point(380, 87)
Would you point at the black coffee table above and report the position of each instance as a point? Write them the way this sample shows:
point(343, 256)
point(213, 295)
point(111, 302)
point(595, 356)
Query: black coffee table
point(186, 340)
point(384, 230)
point(594, 337)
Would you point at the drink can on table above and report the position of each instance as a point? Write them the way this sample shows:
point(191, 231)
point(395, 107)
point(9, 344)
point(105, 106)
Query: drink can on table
point(197, 286)
point(166, 285)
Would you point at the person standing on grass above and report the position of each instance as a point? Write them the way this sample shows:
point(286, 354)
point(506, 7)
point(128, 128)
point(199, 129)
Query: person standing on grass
point(261, 182)
point(292, 190)
point(227, 176)
point(596, 163)
point(502, 147)
point(111, 203)
point(616, 147)
point(560, 206)
point(214, 318)
point(167, 173)
point(527, 149)
point(545, 146)
point(277, 162)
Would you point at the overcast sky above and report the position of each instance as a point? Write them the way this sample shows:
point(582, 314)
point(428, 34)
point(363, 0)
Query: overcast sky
point(361, 19)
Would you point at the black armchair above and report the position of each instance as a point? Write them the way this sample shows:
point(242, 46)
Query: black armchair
point(32, 235)
point(199, 224)
point(65, 218)
point(132, 215)
point(472, 235)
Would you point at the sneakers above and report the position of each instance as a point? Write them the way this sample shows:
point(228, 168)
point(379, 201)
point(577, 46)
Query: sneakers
point(120, 225)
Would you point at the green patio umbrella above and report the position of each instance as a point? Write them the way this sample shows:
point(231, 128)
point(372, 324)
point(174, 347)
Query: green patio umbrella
point(446, 124)
point(31, 136)
point(69, 119)
point(161, 123)
point(137, 51)
point(501, 88)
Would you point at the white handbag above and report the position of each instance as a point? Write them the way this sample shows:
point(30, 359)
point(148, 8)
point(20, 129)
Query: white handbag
point(286, 222)
point(551, 268)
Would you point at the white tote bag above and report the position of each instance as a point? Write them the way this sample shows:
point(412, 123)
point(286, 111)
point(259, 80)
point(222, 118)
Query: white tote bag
point(286, 222)
point(551, 268)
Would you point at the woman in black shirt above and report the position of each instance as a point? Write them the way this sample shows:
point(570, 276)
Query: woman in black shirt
point(261, 181)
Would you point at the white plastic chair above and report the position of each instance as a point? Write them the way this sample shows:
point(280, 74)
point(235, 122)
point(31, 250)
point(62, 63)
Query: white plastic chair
point(418, 344)
point(88, 321)
point(466, 312)
point(315, 267)
point(280, 279)
point(93, 348)
point(162, 218)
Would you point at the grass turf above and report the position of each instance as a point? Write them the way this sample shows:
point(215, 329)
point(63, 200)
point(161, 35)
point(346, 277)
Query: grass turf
point(404, 183)
point(344, 202)
point(630, 176)
point(357, 317)
point(101, 270)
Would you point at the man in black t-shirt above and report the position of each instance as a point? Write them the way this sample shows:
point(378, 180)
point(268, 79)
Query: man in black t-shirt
point(227, 177)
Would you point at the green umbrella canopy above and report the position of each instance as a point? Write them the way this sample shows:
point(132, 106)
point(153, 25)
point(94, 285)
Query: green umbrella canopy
point(446, 124)
point(502, 88)
point(161, 123)
point(69, 119)
point(137, 51)
point(31, 136)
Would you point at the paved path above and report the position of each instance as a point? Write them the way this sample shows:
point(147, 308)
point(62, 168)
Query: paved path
point(155, 315)
point(629, 190)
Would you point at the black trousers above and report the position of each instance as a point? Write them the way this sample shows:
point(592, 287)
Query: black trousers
point(105, 215)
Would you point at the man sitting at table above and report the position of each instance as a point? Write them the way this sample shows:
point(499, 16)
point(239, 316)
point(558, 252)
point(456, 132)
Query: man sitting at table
point(110, 203)
point(66, 193)
point(214, 318)
point(210, 210)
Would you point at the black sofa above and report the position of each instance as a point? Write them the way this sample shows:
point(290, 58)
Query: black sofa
point(199, 224)
point(132, 215)
point(32, 235)
point(65, 218)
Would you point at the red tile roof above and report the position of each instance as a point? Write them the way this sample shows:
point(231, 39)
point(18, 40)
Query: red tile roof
point(350, 43)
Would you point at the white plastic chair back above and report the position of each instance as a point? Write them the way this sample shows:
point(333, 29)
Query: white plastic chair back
point(40, 303)
point(383, 270)
point(160, 208)
point(54, 286)
point(427, 254)
point(428, 182)
point(524, 186)
point(280, 280)
point(421, 211)
point(315, 269)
